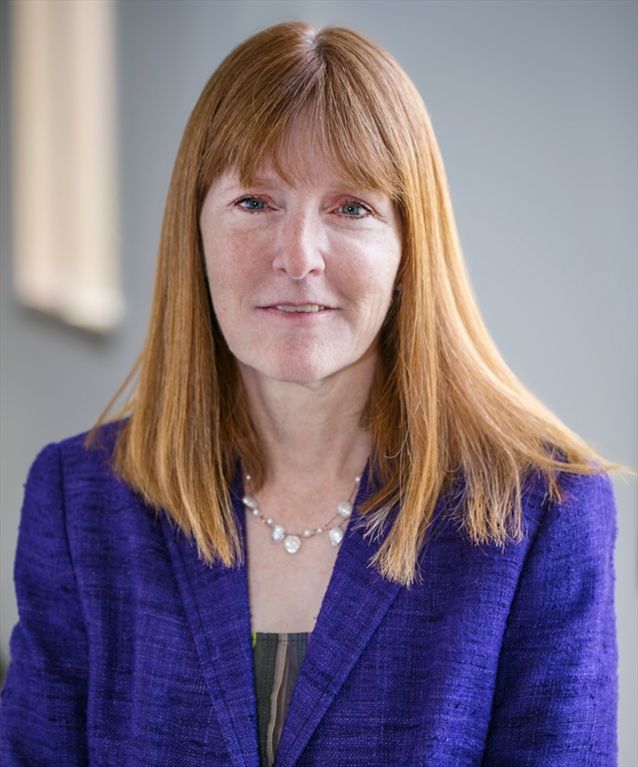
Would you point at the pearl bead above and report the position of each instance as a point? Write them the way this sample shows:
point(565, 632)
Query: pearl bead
point(249, 501)
point(269, 521)
point(292, 543)
point(307, 533)
point(278, 533)
point(345, 509)
point(255, 512)
point(335, 535)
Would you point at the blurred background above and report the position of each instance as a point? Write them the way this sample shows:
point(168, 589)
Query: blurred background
point(534, 105)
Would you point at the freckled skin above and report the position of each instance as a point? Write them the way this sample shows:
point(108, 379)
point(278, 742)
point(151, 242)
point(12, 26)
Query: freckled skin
point(320, 242)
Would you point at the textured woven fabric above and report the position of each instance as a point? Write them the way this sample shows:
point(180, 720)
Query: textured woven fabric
point(131, 651)
point(277, 660)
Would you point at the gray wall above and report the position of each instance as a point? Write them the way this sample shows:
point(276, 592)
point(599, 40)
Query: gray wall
point(534, 104)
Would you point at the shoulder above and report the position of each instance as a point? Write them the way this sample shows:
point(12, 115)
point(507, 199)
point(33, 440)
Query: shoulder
point(586, 491)
point(568, 567)
point(72, 483)
point(75, 499)
point(77, 457)
point(69, 497)
point(584, 511)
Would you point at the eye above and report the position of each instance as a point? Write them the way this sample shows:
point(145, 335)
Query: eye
point(251, 204)
point(354, 209)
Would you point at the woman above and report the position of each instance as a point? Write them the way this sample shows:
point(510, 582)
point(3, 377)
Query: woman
point(334, 526)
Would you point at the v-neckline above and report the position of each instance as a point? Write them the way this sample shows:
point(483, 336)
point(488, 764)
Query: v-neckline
point(216, 605)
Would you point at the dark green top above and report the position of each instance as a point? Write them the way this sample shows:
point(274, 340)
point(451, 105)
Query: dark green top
point(277, 660)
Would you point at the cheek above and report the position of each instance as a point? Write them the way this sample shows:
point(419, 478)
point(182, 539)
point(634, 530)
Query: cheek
point(373, 278)
point(230, 268)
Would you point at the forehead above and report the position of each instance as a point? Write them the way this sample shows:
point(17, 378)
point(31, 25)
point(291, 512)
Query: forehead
point(310, 150)
point(313, 171)
point(301, 159)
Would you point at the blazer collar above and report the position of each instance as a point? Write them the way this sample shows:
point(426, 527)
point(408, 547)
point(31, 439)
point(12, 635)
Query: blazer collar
point(355, 603)
point(217, 608)
point(215, 600)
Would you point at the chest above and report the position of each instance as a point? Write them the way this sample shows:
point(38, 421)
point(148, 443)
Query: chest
point(286, 590)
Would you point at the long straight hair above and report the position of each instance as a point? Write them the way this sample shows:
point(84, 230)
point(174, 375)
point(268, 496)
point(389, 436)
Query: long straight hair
point(444, 410)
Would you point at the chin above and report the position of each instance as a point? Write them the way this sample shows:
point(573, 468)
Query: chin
point(296, 366)
point(298, 371)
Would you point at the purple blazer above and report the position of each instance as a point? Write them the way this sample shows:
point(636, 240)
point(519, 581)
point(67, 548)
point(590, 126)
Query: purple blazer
point(131, 651)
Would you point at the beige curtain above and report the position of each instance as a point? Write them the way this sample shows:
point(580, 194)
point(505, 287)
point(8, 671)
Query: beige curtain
point(65, 235)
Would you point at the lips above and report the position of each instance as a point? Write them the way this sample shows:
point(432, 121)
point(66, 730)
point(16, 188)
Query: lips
point(305, 308)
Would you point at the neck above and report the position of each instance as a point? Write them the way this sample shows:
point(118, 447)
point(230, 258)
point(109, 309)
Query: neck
point(311, 433)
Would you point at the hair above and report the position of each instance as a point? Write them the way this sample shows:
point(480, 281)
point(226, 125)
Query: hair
point(444, 410)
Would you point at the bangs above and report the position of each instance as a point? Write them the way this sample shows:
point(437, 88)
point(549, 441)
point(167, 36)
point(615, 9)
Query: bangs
point(357, 154)
point(349, 116)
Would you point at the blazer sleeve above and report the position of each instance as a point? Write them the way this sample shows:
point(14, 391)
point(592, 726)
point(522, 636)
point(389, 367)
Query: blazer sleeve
point(556, 692)
point(43, 713)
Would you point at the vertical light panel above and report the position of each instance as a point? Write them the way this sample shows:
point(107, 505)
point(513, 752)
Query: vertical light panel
point(66, 256)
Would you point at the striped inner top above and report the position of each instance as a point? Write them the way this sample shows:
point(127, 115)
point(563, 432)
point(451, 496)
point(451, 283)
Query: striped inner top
point(277, 660)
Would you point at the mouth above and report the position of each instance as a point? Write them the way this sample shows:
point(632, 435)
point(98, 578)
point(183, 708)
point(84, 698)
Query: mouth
point(305, 308)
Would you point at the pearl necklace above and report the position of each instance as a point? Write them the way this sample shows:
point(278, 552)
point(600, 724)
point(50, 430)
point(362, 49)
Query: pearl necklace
point(292, 541)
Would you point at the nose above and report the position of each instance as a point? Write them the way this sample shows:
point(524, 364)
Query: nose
point(299, 246)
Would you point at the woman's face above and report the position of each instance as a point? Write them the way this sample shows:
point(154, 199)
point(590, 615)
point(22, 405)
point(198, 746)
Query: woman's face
point(301, 277)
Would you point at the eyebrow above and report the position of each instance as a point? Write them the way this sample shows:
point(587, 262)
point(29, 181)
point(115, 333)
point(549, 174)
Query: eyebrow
point(265, 181)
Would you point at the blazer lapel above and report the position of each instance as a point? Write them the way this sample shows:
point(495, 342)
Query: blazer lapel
point(216, 604)
point(355, 603)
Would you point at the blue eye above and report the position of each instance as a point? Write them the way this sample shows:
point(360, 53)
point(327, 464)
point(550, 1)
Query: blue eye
point(353, 209)
point(251, 203)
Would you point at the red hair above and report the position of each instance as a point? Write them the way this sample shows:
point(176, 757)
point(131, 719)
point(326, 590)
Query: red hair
point(443, 405)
